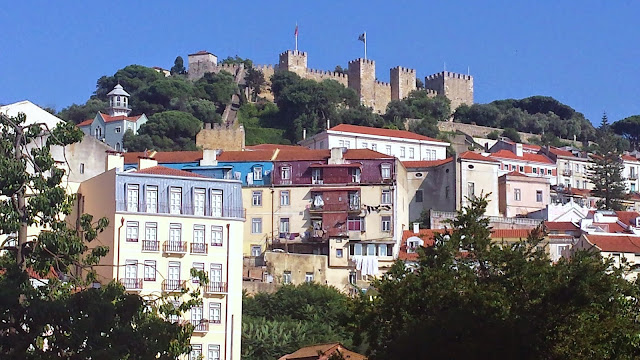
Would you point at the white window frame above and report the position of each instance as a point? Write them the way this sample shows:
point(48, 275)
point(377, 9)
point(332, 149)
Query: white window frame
point(175, 200)
point(132, 231)
point(217, 235)
point(308, 277)
point(150, 267)
point(197, 266)
point(256, 225)
point(175, 233)
point(285, 225)
point(385, 197)
point(517, 194)
point(285, 198)
point(411, 153)
point(199, 201)
point(385, 171)
point(286, 277)
point(339, 253)
point(213, 352)
point(215, 274)
point(387, 149)
point(539, 196)
point(215, 313)
point(256, 198)
point(254, 248)
point(402, 152)
point(133, 197)
point(151, 198)
point(257, 173)
point(285, 172)
point(385, 222)
point(217, 203)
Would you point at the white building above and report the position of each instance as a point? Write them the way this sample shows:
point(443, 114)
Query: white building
point(630, 172)
point(404, 145)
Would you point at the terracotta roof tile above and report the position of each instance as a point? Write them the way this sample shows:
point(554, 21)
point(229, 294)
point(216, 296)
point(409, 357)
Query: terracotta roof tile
point(426, 164)
point(560, 152)
point(616, 243)
point(611, 227)
point(506, 154)
point(561, 226)
point(470, 155)
point(381, 132)
point(323, 351)
point(163, 170)
point(272, 147)
point(364, 154)
point(510, 233)
point(516, 173)
point(86, 122)
point(427, 235)
point(109, 118)
point(627, 157)
point(164, 157)
point(627, 217)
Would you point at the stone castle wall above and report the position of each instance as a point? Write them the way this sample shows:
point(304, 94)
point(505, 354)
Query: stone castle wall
point(456, 87)
point(382, 93)
point(221, 137)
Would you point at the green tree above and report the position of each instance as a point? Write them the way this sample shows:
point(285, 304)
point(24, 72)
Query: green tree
point(427, 127)
point(254, 80)
point(606, 171)
point(512, 134)
point(74, 320)
point(216, 87)
point(204, 110)
point(165, 131)
point(237, 60)
point(131, 77)
point(79, 113)
point(340, 70)
point(178, 67)
point(629, 128)
point(493, 135)
point(466, 298)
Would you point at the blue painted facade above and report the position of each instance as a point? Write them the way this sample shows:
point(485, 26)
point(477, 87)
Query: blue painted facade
point(250, 173)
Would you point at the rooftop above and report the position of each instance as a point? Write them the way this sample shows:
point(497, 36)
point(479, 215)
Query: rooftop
point(163, 170)
point(426, 163)
point(506, 154)
point(382, 132)
point(561, 226)
point(616, 243)
point(164, 157)
point(470, 155)
point(109, 118)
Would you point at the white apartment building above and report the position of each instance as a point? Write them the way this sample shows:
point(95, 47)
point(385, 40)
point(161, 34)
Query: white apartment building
point(404, 145)
point(630, 172)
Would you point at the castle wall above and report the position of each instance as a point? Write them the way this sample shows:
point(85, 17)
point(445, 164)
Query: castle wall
point(362, 78)
point(382, 93)
point(403, 81)
point(319, 75)
point(221, 137)
point(456, 87)
point(294, 61)
point(267, 71)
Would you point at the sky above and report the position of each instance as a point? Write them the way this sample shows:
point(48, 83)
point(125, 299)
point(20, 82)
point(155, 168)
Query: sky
point(583, 53)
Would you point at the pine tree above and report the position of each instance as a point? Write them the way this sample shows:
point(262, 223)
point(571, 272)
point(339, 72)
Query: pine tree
point(607, 170)
point(178, 67)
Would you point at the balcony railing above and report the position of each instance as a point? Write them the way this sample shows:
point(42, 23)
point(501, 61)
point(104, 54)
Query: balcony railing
point(175, 247)
point(172, 285)
point(199, 248)
point(633, 177)
point(336, 207)
point(566, 172)
point(201, 326)
point(132, 283)
point(216, 288)
point(150, 245)
point(163, 208)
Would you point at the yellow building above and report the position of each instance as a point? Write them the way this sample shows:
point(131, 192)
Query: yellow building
point(162, 223)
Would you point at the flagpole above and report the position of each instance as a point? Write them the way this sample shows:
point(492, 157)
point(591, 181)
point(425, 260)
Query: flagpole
point(296, 36)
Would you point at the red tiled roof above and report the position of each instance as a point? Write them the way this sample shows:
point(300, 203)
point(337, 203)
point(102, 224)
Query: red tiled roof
point(163, 170)
point(611, 227)
point(364, 154)
point(257, 155)
point(86, 122)
point(561, 226)
point(560, 152)
point(274, 146)
point(506, 154)
point(381, 132)
point(426, 163)
point(322, 352)
point(164, 157)
point(531, 147)
point(616, 243)
point(427, 235)
point(581, 192)
point(470, 155)
point(109, 118)
point(629, 158)
point(516, 173)
point(510, 233)
point(324, 154)
point(627, 217)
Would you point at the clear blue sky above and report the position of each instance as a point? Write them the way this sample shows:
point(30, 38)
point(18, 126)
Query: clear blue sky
point(584, 53)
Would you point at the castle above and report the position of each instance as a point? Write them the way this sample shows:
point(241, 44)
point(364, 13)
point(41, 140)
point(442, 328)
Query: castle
point(360, 76)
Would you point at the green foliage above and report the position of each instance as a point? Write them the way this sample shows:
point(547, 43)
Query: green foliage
point(606, 171)
point(629, 128)
point(178, 67)
point(340, 70)
point(73, 318)
point(254, 81)
point(512, 134)
point(536, 114)
point(236, 61)
point(418, 105)
point(257, 120)
point(293, 317)
point(217, 88)
point(469, 299)
point(204, 110)
point(79, 113)
point(132, 78)
point(165, 131)
point(494, 135)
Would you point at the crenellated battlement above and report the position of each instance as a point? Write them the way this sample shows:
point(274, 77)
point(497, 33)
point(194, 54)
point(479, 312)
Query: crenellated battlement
point(294, 53)
point(326, 73)
point(362, 61)
point(448, 74)
point(382, 83)
point(431, 92)
point(263, 68)
point(402, 69)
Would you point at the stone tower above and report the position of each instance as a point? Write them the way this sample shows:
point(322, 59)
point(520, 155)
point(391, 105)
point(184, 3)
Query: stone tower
point(294, 61)
point(201, 63)
point(456, 87)
point(362, 78)
point(403, 81)
point(118, 102)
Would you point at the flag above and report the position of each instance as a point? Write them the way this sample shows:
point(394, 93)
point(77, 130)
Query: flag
point(363, 37)
point(295, 33)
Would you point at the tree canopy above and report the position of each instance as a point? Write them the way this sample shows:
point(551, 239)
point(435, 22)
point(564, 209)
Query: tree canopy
point(629, 128)
point(606, 171)
point(466, 298)
point(165, 131)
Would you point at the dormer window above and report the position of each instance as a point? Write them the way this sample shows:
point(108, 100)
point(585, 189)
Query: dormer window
point(385, 170)
point(285, 174)
point(316, 176)
point(257, 173)
point(355, 175)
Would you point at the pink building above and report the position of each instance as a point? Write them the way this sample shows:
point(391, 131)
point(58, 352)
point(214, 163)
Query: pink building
point(519, 194)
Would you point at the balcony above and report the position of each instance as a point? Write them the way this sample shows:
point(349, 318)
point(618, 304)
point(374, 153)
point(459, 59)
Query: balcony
point(132, 284)
point(150, 245)
point(317, 181)
point(336, 207)
point(175, 247)
point(199, 248)
point(633, 176)
point(163, 208)
point(201, 326)
point(172, 286)
point(567, 172)
point(214, 288)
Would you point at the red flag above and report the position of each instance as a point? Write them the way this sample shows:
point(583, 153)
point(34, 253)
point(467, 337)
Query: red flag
point(296, 32)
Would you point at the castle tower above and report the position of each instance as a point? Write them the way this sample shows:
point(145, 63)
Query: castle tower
point(403, 81)
point(118, 102)
point(200, 63)
point(458, 88)
point(294, 61)
point(362, 78)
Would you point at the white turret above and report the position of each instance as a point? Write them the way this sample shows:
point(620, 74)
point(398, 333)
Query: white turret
point(118, 101)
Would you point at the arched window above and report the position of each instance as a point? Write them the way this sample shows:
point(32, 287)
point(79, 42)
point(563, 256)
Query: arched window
point(118, 146)
point(96, 132)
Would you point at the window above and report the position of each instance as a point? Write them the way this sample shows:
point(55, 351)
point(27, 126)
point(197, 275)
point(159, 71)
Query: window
point(521, 168)
point(402, 152)
point(286, 277)
point(175, 200)
point(257, 173)
point(371, 249)
point(198, 202)
point(341, 143)
point(382, 250)
point(577, 168)
point(374, 147)
point(284, 198)
point(338, 253)
point(387, 149)
point(215, 313)
point(132, 231)
point(577, 184)
point(198, 246)
point(256, 226)
point(347, 144)
point(175, 234)
point(386, 197)
point(433, 155)
point(216, 235)
point(539, 195)
point(356, 249)
point(355, 175)
point(118, 147)
point(118, 130)
point(632, 187)
point(419, 196)
point(149, 270)
point(517, 194)
point(196, 350)
point(308, 277)
point(216, 203)
point(285, 173)
point(548, 171)
point(385, 170)
point(584, 184)
point(131, 272)
point(215, 276)
point(132, 197)
point(256, 198)
point(213, 352)
point(256, 250)
point(446, 192)
point(150, 242)
point(355, 224)
point(199, 267)
point(316, 176)
point(284, 225)
point(352, 277)
point(471, 189)
point(174, 275)
point(151, 197)
point(354, 200)
point(386, 223)
point(535, 170)
point(411, 153)
point(363, 145)
point(81, 168)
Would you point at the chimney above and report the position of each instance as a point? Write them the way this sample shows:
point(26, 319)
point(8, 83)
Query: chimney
point(304, 133)
point(416, 228)
point(146, 162)
point(209, 157)
point(519, 149)
point(115, 160)
point(336, 156)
